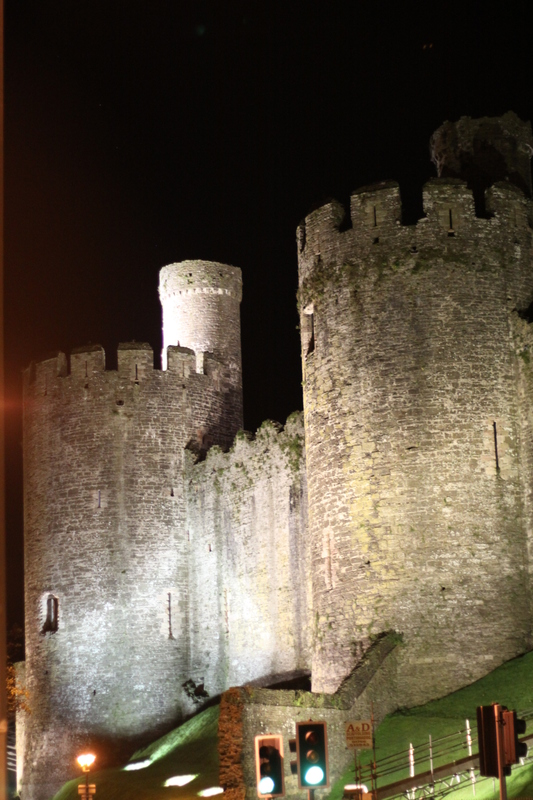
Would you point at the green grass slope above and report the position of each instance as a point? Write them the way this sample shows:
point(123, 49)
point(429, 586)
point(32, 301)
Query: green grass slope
point(511, 685)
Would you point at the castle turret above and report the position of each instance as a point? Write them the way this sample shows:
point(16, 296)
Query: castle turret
point(201, 311)
point(418, 433)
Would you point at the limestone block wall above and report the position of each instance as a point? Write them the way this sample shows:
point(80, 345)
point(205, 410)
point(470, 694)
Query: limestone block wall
point(249, 560)
point(106, 549)
point(418, 458)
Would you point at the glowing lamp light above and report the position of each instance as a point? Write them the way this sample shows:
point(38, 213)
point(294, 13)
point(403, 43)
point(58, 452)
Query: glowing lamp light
point(211, 791)
point(266, 785)
point(137, 765)
point(86, 761)
point(179, 780)
point(314, 775)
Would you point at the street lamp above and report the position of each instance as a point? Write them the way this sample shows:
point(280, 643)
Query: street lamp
point(86, 761)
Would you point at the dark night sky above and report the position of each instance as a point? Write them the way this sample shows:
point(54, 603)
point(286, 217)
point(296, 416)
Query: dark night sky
point(142, 132)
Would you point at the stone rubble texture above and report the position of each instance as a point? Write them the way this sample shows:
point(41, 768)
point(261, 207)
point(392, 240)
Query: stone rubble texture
point(187, 558)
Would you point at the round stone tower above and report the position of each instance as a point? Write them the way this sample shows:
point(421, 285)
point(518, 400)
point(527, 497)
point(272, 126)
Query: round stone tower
point(200, 302)
point(106, 542)
point(418, 427)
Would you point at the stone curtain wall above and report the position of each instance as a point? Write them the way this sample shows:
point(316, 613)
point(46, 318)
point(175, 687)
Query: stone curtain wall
point(409, 369)
point(105, 538)
point(249, 568)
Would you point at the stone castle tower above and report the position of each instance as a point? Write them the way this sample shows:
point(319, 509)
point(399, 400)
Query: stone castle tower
point(418, 403)
point(407, 505)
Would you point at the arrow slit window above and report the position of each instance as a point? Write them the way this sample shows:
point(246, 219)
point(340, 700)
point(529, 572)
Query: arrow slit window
point(308, 330)
point(51, 609)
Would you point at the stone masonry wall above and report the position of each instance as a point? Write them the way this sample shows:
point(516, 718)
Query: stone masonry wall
point(249, 566)
point(105, 540)
point(418, 458)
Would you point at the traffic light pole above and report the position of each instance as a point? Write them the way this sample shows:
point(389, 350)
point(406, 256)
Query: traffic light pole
point(501, 756)
point(310, 794)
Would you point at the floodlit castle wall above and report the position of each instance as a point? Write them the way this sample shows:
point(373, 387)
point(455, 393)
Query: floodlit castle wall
point(106, 548)
point(418, 443)
point(249, 568)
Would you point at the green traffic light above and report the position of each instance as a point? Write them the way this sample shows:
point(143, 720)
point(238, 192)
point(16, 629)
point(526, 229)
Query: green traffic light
point(266, 785)
point(314, 775)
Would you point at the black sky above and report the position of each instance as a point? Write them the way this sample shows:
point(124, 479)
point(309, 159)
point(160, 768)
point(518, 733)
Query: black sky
point(142, 132)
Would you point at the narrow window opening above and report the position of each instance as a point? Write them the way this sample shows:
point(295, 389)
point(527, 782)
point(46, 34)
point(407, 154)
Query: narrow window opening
point(451, 231)
point(52, 607)
point(99, 499)
point(170, 635)
point(209, 547)
point(307, 322)
point(172, 491)
point(311, 344)
point(375, 240)
point(86, 370)
point(136, 373)
point(375, 218)
point(496, 446)
point(301, 237)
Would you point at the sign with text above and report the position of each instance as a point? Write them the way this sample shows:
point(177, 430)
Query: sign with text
point(359, 734)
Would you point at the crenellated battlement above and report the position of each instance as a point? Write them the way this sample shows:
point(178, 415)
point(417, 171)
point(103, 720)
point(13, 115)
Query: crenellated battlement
point(282, 444)
point(377, 235)
point(135, 366)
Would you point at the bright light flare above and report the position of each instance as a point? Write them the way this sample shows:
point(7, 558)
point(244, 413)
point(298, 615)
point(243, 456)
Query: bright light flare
point(137, 765)
point(266, 785)
point(179, 780)
point(86, 761)
point(314, 775)
point(211, 791)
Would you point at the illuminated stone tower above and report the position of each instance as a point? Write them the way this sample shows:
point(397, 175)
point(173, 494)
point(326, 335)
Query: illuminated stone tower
point(417, 400)
point(106, 541)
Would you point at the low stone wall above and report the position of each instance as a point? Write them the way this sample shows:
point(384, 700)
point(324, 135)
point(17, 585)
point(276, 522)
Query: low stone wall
point(246, 712)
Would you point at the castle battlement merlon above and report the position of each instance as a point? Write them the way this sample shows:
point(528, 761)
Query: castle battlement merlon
point(376, 226)
point(135, 365)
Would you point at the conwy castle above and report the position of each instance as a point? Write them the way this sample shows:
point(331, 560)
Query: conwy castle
point(381, 543)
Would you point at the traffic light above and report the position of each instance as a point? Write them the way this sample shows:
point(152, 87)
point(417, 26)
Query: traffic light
point(487, 719)
point(513, 748)
point(269, 766)
point(312, 755)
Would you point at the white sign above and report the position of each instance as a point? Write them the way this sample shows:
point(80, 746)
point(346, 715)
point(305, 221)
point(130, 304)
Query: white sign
point(359, 734)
